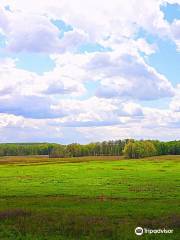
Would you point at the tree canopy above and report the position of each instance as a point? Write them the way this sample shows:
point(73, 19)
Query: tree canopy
point(129, 147)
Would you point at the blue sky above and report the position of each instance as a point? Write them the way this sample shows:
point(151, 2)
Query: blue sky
point(76, 72)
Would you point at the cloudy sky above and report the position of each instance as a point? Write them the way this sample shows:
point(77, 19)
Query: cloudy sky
point(82, 71)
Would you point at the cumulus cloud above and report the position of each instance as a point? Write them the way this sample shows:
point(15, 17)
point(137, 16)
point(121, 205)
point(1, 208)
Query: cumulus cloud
point(37, 33)
point(96, 112)
point(145, 47)
point(176, 33)
point(29, 107)
point(31, 95)
point(105, 18)
point(116, 73)
point(3, 21)
point(59, 88)
point(87, 96)
point(171, 1)
point(97, 21)
point(132, 109)
point(19, 129)
point(22, 82)
point(128, 76)
point(175, 102)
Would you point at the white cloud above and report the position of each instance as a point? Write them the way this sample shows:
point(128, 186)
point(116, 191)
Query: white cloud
point(132, 109)
point(25, 83)
point(39, 36)
point(175, 103)
point(176, 33)
point(37, 33)
point(99, 20)
point(87, 96)
point(20, 129)
point(171, 1)
point(115, 74)
point(31, 95)
point(3, 21)
point(145, 47)
point(128, 76)
point(87, 126)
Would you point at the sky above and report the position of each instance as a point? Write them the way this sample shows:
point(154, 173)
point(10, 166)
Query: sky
point(87, 71)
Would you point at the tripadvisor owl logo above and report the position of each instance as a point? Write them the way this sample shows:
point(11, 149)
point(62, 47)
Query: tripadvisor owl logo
point(139, 231)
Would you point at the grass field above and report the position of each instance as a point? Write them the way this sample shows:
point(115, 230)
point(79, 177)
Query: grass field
point(92, 198)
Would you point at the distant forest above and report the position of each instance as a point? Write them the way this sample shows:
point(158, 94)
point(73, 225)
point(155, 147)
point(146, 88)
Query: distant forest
point(130, 148)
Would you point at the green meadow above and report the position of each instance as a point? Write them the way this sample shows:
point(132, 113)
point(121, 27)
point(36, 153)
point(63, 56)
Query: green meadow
point(88, 198)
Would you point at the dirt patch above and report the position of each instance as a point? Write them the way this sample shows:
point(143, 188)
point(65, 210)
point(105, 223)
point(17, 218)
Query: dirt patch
point(13, 213)
point(118, 168)
point(28, 177)
point(142, 189)
point(35, 160)
point(172, 221)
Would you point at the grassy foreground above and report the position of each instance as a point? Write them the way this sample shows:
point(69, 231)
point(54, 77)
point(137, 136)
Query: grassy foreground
point(92, 198)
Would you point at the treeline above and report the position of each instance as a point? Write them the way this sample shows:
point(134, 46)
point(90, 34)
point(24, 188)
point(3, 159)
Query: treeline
point(129, 148)
point(148, 148)
point(23, 149)
point(106, 148)
point(111, 148)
